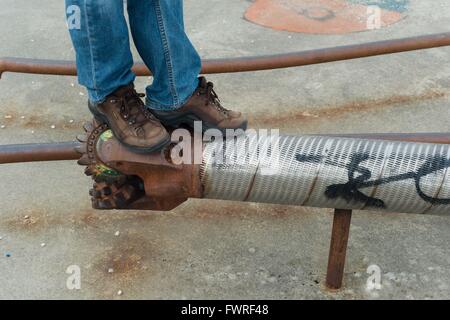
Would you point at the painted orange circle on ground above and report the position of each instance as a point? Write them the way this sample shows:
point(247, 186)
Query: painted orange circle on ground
point(325, 16)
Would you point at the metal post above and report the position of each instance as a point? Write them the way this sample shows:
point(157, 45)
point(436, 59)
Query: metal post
point(338, 248)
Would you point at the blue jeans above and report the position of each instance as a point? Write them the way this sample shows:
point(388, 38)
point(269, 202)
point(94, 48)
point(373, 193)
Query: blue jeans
point(99, 34)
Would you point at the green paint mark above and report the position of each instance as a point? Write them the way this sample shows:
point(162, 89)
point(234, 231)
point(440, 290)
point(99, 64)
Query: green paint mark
point(105, 171)
point(105, 136)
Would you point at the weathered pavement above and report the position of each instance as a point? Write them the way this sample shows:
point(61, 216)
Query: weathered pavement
point(217, 249)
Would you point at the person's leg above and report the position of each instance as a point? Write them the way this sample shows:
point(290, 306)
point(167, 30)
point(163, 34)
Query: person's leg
point(177, 96)
point(101, 42)
point(100, 36)
point(158, 33)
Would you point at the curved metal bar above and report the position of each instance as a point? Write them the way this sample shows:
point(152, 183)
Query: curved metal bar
point(66, 150)
point(244, 64)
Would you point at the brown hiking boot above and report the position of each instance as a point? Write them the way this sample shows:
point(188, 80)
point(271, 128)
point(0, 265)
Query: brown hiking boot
point(130, 121)
point(204, 105)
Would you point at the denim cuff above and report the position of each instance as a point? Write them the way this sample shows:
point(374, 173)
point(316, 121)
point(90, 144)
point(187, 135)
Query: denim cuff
point(155, 105)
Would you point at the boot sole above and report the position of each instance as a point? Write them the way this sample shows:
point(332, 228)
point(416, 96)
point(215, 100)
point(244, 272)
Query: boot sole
point(103, 119)
point(189, 119)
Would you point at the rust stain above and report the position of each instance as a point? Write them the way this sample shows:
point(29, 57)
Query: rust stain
point(305, 114)
point(12, 118)
point(217, 209)
point(31, 220)
point(90, 219)
point(224, 209)
point(313, 187)
point(125, 265)
point(97, 218)
point(280, 211)
point(122, 263)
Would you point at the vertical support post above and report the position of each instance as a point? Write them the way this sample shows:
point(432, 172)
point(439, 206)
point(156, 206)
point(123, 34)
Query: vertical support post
point(338, 248)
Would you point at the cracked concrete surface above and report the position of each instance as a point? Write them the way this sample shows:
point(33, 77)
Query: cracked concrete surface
point(219, 249)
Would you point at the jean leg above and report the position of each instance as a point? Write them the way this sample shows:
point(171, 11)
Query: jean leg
point(101, 42)
point(158, 31)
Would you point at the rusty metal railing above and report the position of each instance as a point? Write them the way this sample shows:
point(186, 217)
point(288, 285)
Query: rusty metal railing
point(244, 64)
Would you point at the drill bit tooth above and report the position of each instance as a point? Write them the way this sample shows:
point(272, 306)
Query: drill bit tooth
point(82, 138)
point(95, 204)
point(107, 204)
point(88, 127)
point(96, 123)
point(81, 149)
point(107, 191)
point(84, 160)
point(89, 171)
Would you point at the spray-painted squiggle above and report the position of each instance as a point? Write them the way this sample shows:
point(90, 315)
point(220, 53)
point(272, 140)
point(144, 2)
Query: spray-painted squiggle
point(359, 178)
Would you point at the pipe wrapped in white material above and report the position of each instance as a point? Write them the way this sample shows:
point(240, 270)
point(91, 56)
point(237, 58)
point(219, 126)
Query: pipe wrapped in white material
point(330, 173)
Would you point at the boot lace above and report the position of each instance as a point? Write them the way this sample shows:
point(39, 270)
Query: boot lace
point(133, 110)
point(213, 99)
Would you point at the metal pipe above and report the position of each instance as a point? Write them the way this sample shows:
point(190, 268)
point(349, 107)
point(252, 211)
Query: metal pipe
point(430, 137)
point(66, 150)
point(244, 64)
point(39, 152)
point(329, 172)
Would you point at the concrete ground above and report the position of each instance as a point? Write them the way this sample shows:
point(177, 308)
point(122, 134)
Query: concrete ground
point(215, 249)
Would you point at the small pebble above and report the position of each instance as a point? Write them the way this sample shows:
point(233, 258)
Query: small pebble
point(22, 117)
point(111, 270)
point(232, 276)
point(53, 126)
point(71, 121)
point(72, 84)
point(26, 217)
point(117, 233)
point(252, 250)
point(3, 126)
point(120, 292)
point(1, 238)
point(43, 244)
point(81, 94)
point(8, 117)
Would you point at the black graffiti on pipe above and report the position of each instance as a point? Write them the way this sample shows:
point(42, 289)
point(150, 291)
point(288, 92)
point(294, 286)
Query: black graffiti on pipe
point(359, 178)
